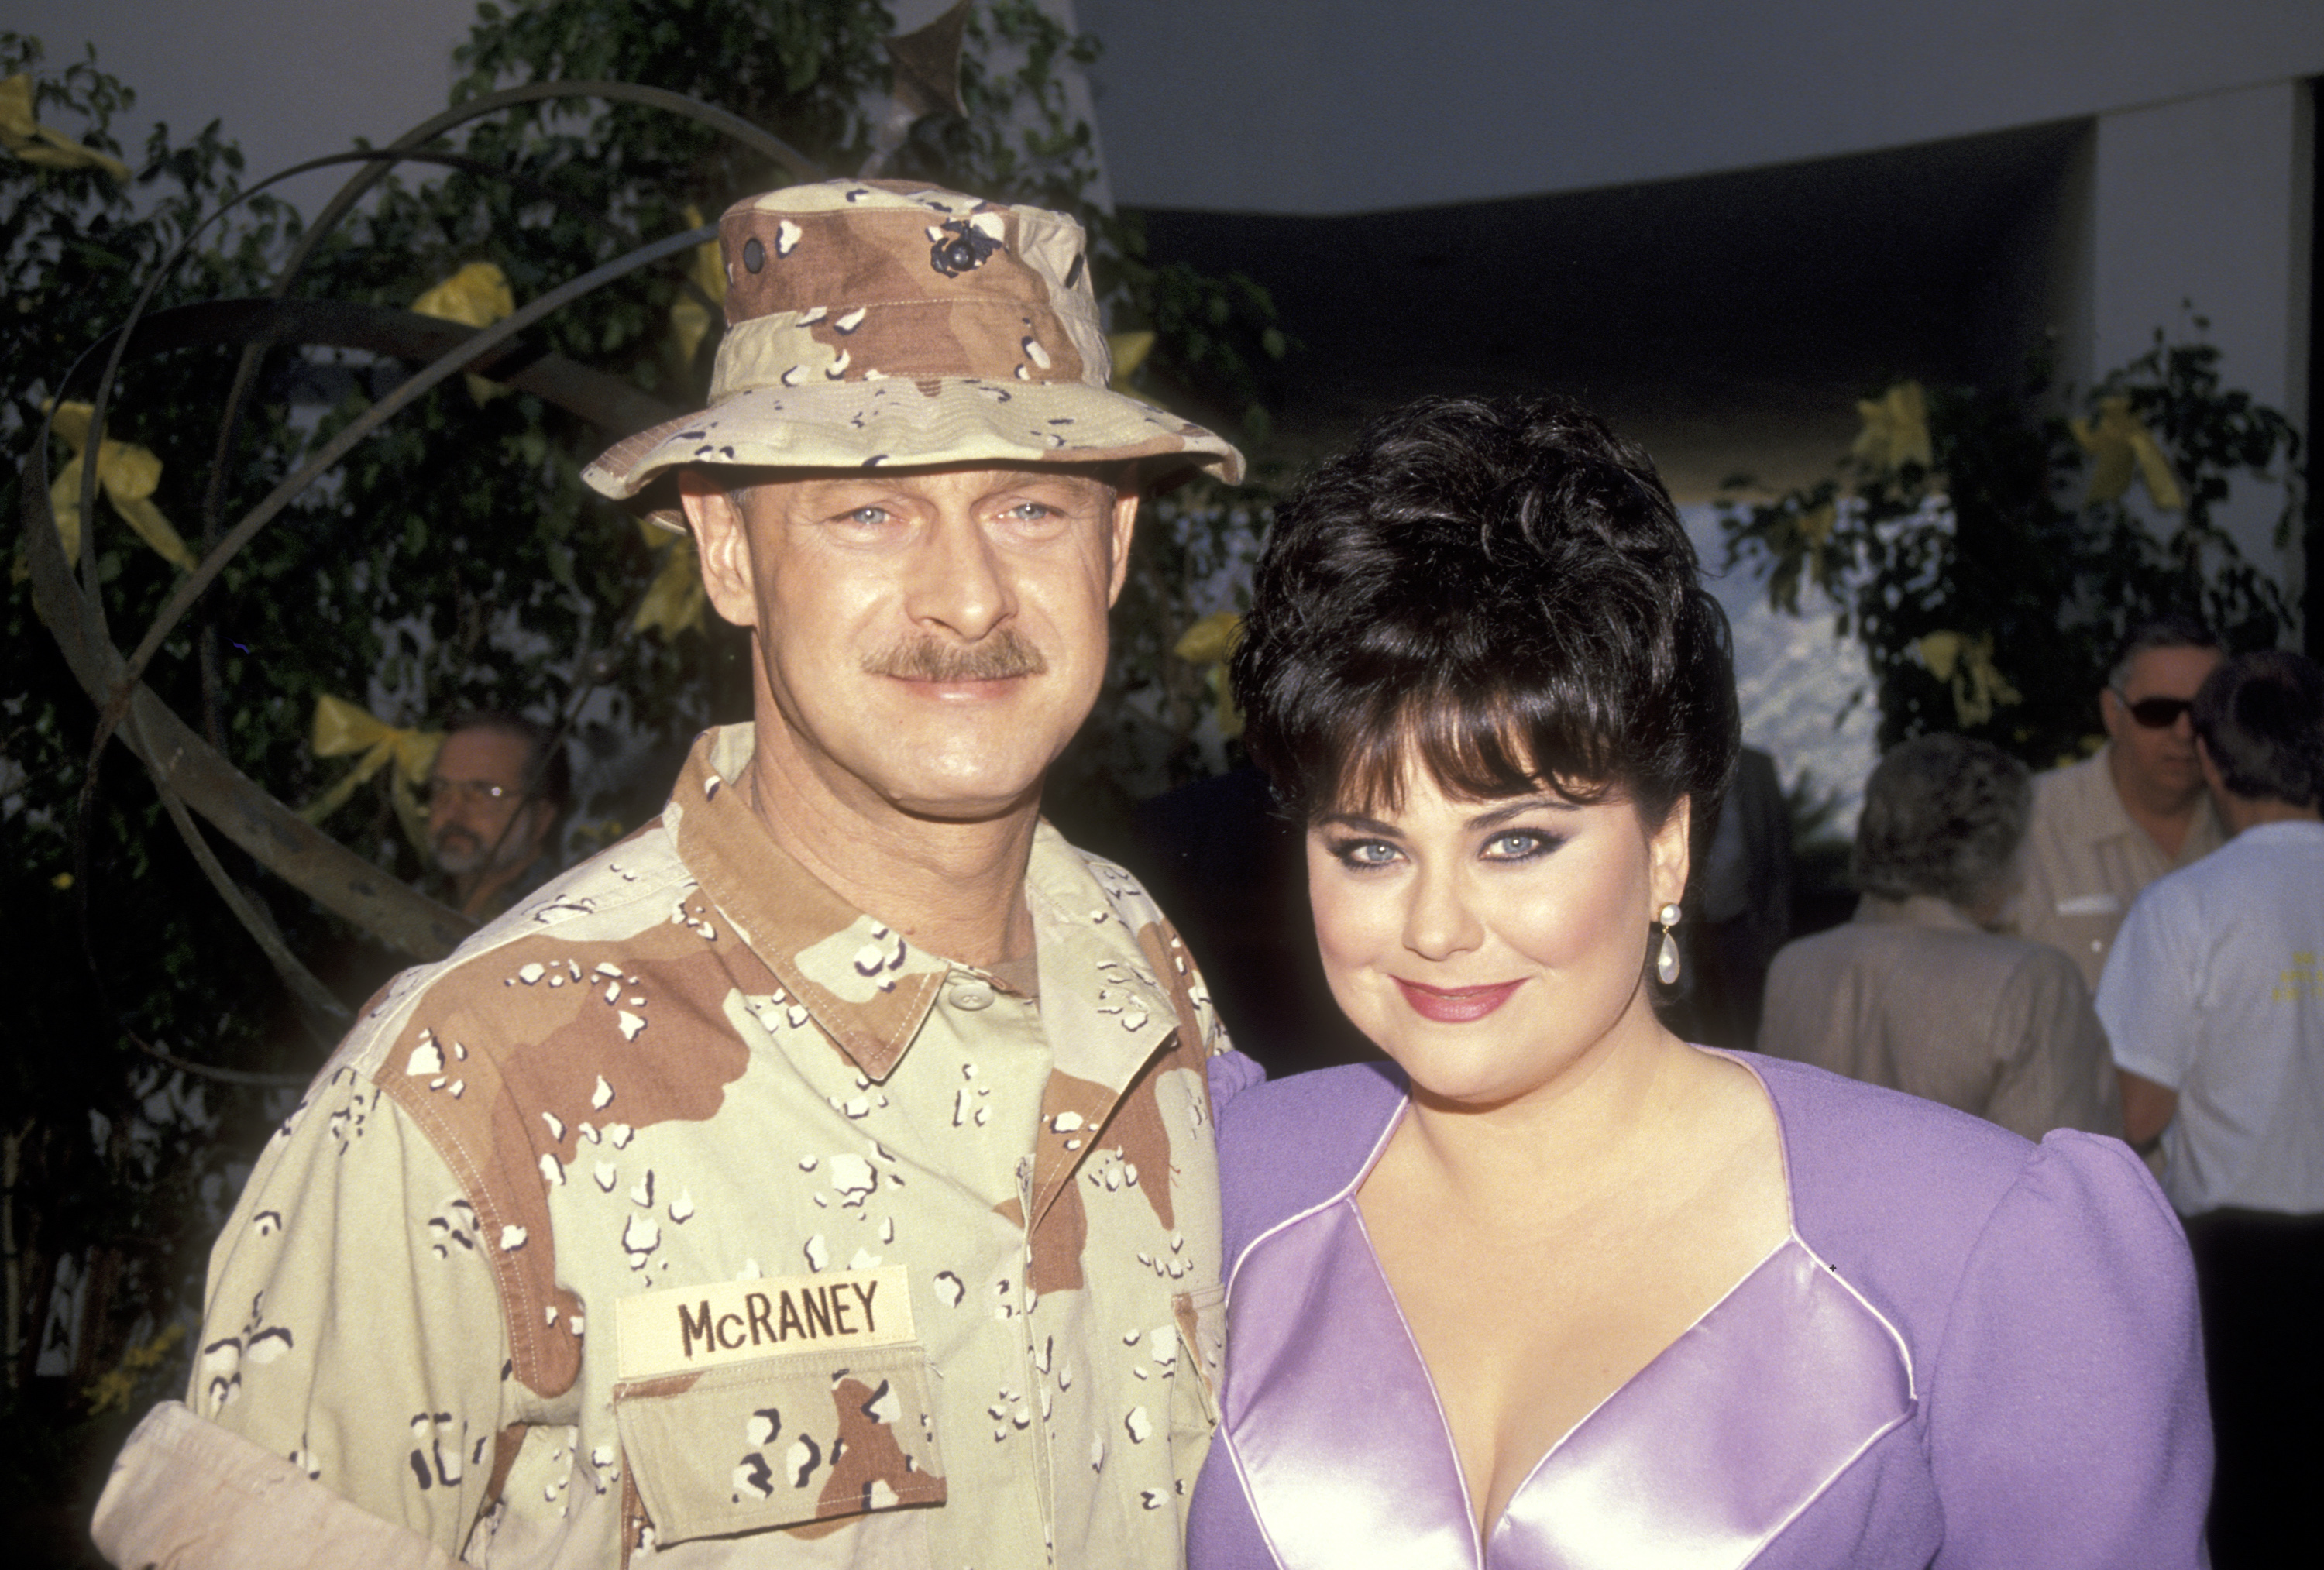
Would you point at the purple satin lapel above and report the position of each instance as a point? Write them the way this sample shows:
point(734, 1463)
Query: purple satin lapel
point(1329, 1410)
point(1716, 1444)
point(1694, 1464)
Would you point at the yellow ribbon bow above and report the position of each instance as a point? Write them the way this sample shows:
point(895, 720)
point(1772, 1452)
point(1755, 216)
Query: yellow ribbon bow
point(1128, 350)
point(674, 600)
point(22, 134)
point(1210, 642)
point(687, 320)
point(2119, 444)
point(476, 296)
point(341, 728)
point(1896, 428)
point(125, 472)
point(1978, 687)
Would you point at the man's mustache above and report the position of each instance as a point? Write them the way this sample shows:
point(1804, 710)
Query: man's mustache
point(996, 657)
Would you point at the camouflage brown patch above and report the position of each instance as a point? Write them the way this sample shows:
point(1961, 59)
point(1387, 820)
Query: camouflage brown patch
point(1073, 1110)
point(1056, 1244)
point(1175, 966)
point(505, 1445)
point(512, 1058)
point(1138, 1133)
point(884, 308)
point(633, 1513)
point(866, 1458)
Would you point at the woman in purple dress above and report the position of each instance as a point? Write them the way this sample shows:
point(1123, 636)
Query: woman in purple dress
point(1558, 1289)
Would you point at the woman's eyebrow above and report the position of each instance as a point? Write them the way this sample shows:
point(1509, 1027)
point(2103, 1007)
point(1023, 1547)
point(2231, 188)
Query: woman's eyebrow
point(1517, 809)
point(1355, 820)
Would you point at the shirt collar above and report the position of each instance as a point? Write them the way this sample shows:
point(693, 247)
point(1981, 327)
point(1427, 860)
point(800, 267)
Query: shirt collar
point(870, 989)
point(2102, 809)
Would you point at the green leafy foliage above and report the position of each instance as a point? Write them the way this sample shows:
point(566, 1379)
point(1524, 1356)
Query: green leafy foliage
point(1991, 581)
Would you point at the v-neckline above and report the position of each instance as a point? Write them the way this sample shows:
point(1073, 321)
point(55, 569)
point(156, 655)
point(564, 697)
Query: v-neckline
point(1348, 1196)
point(1784, 1297)
point(1482, 1536)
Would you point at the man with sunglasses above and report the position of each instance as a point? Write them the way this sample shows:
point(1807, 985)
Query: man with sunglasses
point(2107, 827)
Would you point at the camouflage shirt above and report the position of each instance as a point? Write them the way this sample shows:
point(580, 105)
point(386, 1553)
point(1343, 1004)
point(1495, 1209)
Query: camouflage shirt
point(688, 1213)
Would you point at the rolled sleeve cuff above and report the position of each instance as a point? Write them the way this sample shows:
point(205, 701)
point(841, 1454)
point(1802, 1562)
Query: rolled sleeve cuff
point(187, 1492)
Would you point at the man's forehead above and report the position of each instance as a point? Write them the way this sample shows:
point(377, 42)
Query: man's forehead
point(480, 750)
point(2162, 672)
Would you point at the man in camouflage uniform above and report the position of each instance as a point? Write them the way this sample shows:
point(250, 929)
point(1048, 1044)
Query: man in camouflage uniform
point(823, 1175)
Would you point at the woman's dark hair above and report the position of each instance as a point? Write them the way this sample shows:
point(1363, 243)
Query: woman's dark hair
point(1501, 590)
point(1943, 815)
point(2261, 716)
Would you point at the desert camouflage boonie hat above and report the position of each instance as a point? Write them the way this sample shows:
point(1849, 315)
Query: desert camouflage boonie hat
point(886, 322)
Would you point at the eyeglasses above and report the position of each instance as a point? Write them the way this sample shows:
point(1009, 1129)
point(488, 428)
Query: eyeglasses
point(2155, 713)
point(445, 792)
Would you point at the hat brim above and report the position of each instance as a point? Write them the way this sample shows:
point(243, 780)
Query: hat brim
point(893, 422)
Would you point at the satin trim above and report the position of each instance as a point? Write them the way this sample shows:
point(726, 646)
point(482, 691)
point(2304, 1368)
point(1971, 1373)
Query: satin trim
point(1695, 1463)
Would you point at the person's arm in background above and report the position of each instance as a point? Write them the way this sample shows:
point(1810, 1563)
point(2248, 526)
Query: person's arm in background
point(2055, 1069)
point(2146, 1002)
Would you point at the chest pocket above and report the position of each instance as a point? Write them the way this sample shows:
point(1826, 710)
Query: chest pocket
point(781, 1442)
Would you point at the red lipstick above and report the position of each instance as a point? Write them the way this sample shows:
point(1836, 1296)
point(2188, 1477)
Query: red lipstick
point(1456, 1004)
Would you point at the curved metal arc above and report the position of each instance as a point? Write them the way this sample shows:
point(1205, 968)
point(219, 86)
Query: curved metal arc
point(379, 162)
point(191, 588)
point(385, 158)
point(101, 402)
point(717, 119)
point(180, 761)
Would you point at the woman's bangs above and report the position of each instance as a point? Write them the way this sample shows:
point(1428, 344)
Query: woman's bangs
point(1476, 746)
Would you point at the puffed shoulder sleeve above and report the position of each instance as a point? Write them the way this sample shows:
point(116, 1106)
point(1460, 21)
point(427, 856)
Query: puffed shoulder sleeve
point(1230, 1074)
point(2068, 1425)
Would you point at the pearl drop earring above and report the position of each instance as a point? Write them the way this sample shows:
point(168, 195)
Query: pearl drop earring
point(1667, 958)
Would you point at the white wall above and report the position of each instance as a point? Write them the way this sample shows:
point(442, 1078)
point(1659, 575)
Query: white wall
point(2207, 200)
point(1325, 106)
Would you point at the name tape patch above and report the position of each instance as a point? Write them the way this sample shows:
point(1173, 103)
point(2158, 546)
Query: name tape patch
point(682, 1329)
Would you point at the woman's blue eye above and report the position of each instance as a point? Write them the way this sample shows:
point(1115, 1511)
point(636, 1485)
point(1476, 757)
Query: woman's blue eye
point(1522, 845)
point(1363, 853)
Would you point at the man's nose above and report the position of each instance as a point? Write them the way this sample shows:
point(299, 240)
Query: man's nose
point(958, 579)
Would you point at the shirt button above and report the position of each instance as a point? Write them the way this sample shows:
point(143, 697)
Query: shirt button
point(970, 994)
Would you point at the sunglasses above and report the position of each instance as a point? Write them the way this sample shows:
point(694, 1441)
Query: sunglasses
point(2156, 713)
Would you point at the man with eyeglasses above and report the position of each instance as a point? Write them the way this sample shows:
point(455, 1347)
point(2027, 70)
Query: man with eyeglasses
point(2107, 827)
point(499, 786)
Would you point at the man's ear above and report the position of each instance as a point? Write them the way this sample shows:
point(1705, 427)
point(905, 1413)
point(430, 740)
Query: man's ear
point(2212, 778)
point(1124, 525)
point(2112, 713)
point(722, 539)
